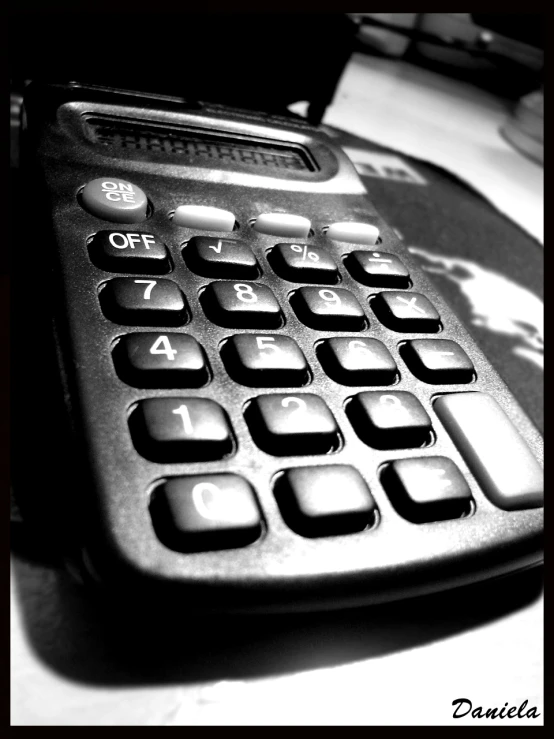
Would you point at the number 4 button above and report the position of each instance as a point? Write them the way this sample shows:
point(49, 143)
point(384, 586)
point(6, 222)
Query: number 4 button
point(160, 360)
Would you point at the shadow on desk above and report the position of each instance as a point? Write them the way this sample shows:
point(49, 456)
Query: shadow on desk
point(89, 639)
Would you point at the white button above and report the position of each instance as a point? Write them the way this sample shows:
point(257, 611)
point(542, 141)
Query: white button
point(354, 233)
point(283, 224)
point(204, 217)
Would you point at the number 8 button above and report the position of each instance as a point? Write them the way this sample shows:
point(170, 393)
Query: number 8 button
point(241, 305)
point(292, 424)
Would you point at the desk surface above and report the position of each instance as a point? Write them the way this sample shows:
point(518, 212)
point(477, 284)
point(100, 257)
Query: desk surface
point(74, 664)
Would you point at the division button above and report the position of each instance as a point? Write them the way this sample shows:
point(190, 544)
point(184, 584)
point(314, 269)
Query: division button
point(325, 501)
point(438, 361)
point(407, 312)
point(124, 251)
point(492, 448)
point(283, 224)
point(389, 420)
point(265, 361)
point(115, 200)
point(377, 269)
point(301, 263)
point(205, 512)
point(160, 360)
point(144, 302)
point(292, 424)
point(353, 233)
point(357, 361)
point(204, 218)
point(180, 429)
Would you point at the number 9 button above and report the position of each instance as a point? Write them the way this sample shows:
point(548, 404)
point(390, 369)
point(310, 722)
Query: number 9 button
point(292, 424)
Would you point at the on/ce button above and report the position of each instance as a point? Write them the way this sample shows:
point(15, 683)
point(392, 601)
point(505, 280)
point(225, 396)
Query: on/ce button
point(115, 200)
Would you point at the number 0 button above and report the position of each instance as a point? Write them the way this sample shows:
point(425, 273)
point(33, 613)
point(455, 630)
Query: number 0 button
point(160, 360)
point(143, 302)
point(241, 305)
point(180, 429)
point(292, 424)
point(203, 512)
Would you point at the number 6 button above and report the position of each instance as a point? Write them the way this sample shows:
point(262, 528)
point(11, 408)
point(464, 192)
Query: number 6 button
point(241, 305)
point(292, 424)
point(143, 302)
point(180, 429)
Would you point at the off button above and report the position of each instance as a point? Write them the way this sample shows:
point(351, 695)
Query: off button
point(115, 200)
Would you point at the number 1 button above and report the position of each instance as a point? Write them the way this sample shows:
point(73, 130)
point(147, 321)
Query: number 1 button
point(292, 424)
point(180, 429)
point(143, 302)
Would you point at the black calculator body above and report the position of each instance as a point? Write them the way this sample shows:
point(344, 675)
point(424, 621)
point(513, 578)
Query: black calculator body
point(261, 402)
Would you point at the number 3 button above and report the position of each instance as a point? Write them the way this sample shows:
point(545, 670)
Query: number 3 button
point(160, 360)
point(292, 424)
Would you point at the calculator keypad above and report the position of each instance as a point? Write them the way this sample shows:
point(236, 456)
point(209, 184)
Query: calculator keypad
point(220, 509)
point(144, 302)
point(241, 305)
point(260, 360)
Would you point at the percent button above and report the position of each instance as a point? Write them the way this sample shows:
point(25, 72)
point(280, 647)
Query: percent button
point(300, 263)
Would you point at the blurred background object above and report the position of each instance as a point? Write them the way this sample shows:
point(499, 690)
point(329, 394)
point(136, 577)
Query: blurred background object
point(525, 128)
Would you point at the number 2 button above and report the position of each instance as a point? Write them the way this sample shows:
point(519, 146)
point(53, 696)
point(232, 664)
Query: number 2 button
point(292, 424)
point(241, 305)
point(143, 302)
point(160, 360)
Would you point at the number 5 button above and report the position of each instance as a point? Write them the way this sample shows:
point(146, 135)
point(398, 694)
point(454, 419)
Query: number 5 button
point(143, 302)
point(265, 361)
point(292, 424)
point(180, 429)
point(160, 360)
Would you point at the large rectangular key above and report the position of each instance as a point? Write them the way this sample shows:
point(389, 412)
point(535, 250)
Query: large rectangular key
point(501, 461)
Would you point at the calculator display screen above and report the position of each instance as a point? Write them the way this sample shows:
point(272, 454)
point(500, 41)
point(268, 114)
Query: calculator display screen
point(200, 146)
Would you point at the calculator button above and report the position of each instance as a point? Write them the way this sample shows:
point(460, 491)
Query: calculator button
point(389, 420)
point(328, 310)
point(427, 489)
point(160, 360)
point(265, 361)
point(325, 501)
point(180, 429)
point(205, 512)
point(143, 302)
point(204, 218)
point(300, 263)
point(292, 424)
point(353, 233)
point(241, 305)
point(211, 257)
point(492, 448)
point(357, 361)
point(438, 361)
point(124, 251)
point(115, 200)
point(406, 311)
point(283, 224)
point(377, 269)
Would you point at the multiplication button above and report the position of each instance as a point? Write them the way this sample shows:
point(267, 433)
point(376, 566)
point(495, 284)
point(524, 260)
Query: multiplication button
point(115, 200)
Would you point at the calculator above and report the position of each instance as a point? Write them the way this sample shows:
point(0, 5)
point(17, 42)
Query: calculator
point(264, 404)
